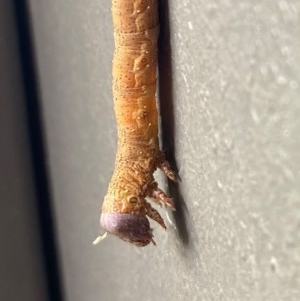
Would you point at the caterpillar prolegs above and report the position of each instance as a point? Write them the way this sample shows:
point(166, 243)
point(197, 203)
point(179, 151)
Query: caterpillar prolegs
point(125, 210)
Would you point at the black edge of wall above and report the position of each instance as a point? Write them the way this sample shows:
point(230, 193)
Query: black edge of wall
point(38, 153)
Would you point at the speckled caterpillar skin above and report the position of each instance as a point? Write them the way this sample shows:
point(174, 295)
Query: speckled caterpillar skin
point(134, 86)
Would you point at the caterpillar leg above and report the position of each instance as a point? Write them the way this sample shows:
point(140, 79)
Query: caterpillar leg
point(164, 165)
point(160, 197)
point(154, 214)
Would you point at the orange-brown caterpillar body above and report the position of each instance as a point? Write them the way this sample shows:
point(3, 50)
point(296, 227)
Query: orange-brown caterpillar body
point(125, 210)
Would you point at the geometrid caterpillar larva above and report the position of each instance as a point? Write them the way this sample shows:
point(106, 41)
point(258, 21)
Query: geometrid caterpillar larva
point(125, 210)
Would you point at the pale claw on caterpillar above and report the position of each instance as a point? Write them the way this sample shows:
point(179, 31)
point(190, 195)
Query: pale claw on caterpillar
point(100, 238)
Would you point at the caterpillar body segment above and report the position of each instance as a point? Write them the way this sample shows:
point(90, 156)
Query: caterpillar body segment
point(125, 211)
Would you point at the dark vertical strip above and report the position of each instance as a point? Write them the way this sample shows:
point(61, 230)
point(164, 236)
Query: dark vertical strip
point(166, 101)
point(35, 125)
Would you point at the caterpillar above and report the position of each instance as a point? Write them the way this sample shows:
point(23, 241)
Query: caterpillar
point(125, 210)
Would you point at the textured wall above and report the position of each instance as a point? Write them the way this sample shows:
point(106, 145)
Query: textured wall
point(230, 107)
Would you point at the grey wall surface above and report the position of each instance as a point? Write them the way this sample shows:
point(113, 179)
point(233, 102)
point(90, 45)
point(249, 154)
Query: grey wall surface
point(230, 107)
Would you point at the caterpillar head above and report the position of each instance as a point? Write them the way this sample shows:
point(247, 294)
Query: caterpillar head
point(133, 228)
